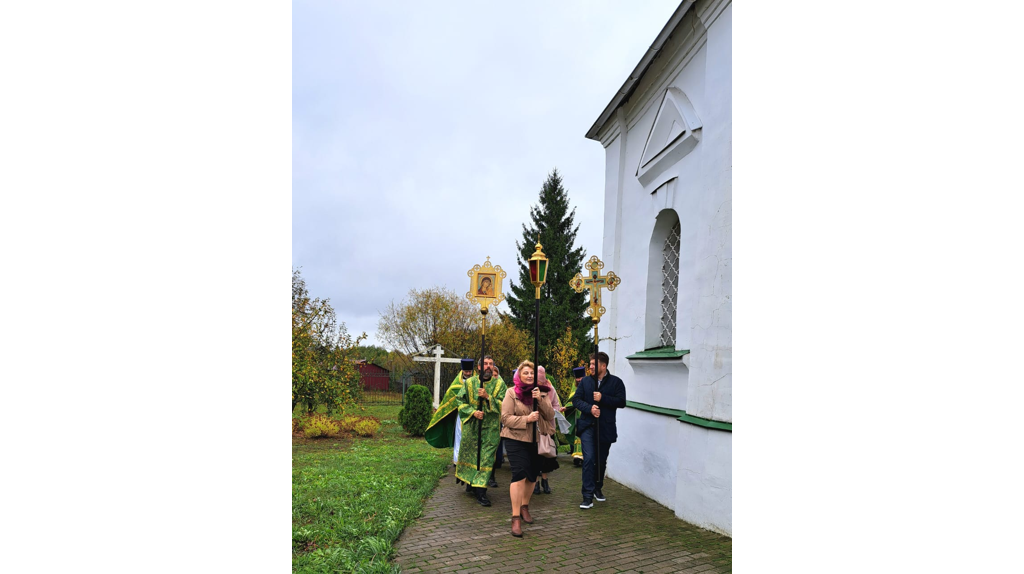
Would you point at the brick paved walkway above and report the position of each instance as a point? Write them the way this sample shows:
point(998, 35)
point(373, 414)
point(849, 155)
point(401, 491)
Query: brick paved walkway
point(455, 534)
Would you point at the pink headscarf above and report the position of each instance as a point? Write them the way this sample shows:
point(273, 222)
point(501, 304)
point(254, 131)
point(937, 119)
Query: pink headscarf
point(523, 390)
point(542, 379)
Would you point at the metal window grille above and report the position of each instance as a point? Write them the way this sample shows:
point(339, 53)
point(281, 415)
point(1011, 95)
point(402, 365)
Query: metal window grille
point(670, 287)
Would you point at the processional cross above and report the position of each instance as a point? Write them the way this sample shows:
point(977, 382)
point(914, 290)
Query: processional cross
point(595, 282)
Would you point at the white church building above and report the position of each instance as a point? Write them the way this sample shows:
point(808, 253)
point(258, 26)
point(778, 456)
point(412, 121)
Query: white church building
point(667, 135)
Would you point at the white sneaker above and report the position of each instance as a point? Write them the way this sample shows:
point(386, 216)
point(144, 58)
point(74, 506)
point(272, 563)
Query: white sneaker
point(587, 504)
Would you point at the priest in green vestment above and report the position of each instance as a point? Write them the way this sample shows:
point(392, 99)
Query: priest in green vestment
point(480, 413)
point(577, 447)
point(443, 429)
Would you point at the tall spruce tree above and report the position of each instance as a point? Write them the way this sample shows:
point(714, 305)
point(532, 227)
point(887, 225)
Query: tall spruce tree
point(560, 305)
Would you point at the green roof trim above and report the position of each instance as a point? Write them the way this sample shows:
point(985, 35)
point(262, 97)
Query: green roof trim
point(656, 410)
point(681, 416)
point(659, 353)
point(706, 423)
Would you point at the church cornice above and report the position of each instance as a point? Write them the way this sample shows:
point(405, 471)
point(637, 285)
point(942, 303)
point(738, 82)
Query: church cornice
point(650, 92)
point(675, 46)
point(709, 11)
point(611, 131)
point(638, 72)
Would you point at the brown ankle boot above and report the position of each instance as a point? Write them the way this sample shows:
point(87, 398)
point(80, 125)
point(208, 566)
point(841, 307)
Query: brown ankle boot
point(517, 528)
point(525, 511)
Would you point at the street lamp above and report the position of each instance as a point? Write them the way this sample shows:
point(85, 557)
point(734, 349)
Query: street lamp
point(538, 275)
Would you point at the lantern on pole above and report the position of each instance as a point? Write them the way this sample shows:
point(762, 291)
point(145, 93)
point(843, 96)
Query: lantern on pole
point(538, 269)
point(538, 275)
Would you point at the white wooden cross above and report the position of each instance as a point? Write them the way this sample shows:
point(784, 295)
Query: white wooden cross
point(437, 360)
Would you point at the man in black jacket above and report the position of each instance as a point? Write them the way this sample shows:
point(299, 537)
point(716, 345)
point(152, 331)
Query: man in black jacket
point(597, 399)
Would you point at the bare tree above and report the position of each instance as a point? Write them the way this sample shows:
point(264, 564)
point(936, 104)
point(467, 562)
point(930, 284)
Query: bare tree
point(428, 317)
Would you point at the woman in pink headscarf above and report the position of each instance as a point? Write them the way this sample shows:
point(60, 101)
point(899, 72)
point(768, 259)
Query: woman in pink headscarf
point(519, 420)
point(547, 464)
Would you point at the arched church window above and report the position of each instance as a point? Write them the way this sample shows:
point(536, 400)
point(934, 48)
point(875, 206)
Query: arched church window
point(664, 263)
point(670, 286)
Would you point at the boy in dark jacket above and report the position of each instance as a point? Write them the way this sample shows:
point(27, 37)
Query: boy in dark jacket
point(597, 398)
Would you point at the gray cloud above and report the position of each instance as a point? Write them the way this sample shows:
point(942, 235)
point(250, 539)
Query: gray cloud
point(422, 133)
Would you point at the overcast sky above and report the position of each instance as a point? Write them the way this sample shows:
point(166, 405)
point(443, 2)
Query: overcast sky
point(423, 131)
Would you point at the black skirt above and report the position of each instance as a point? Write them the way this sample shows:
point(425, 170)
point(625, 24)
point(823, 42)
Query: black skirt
point(547, 464)
point(523, 458)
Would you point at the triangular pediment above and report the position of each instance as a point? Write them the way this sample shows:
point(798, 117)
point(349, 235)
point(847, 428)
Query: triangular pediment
point(675, 132)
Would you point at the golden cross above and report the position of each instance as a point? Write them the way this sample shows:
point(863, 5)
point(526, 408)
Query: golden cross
point(595, 282)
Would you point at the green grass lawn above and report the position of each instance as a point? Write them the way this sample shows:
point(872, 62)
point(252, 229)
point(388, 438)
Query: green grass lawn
point(352, 497)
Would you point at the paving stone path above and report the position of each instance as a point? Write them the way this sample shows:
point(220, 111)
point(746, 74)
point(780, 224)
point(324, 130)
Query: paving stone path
point(455, 534)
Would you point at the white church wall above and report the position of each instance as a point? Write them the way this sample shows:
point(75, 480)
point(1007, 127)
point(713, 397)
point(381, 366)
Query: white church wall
point(658, 383)
point(655, 450)
point(631, 210)
point(631, 213)
point(704, 477)
point(645, 459)
point(710, 388)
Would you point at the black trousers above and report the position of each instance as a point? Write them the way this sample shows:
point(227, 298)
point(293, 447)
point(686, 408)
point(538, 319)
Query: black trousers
point(591, 483)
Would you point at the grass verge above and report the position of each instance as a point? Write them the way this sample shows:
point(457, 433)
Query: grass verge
point(351, 498)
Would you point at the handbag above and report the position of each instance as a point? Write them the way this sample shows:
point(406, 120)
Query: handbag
point(546, 446)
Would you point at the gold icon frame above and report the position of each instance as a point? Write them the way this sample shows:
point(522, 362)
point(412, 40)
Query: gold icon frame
point(479, 275)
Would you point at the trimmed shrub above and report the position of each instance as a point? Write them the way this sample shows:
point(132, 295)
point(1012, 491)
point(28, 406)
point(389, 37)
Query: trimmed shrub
point(319, 426)
point(363, 426)
point(415, 416)
point(348, 423)
point(366, 427)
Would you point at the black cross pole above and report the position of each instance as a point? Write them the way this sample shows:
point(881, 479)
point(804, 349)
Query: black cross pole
point(597, 431)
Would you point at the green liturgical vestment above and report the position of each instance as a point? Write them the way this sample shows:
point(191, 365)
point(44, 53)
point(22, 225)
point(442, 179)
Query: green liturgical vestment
point(466, 469)
point(440, 432)
point(573, 415)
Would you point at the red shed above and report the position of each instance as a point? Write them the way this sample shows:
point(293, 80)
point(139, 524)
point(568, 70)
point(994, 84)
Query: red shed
point(374, 378)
